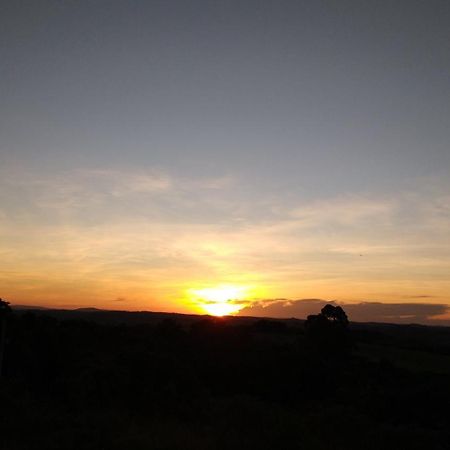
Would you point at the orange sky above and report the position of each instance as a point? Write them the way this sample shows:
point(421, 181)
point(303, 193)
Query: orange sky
point(350, 248)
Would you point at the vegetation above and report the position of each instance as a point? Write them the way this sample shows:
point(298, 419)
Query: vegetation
point(207, 383)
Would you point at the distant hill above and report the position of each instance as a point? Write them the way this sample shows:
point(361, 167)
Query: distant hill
point(28, 307)
point(111, 317)
point(116, 317)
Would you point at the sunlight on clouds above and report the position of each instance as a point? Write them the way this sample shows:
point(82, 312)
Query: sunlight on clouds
point(220, 300)
point(91, 236)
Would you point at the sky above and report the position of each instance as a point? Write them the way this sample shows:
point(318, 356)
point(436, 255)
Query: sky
point(167, 155)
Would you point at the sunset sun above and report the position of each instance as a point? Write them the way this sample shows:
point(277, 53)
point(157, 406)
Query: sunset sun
point(219, 300)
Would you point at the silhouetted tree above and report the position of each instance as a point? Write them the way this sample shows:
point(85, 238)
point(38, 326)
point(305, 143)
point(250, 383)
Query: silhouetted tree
point(329, 329)
point(335, 314)
point(5, 310)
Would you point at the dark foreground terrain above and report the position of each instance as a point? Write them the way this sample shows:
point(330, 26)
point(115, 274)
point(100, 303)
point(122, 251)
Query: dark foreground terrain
point(103, 380)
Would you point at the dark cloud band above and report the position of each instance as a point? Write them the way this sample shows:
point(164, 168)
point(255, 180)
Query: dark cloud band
point(431, 314)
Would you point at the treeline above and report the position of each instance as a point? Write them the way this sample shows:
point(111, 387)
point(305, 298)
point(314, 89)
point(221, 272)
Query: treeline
point(211, 384)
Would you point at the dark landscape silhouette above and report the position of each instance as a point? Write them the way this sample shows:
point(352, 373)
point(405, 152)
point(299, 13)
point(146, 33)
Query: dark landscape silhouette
point(96, 379)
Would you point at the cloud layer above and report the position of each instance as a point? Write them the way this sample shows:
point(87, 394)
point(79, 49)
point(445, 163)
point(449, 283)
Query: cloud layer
point(437, 314)
point(90, 236)
point(423, 313)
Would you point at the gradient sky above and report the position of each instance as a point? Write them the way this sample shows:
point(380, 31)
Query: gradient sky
point(152, 149)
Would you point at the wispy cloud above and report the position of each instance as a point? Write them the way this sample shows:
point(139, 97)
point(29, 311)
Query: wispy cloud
point(349, 210)
point(149, 226)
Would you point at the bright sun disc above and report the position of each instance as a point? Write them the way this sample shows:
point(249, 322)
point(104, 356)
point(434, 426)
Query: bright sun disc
point(219, 301)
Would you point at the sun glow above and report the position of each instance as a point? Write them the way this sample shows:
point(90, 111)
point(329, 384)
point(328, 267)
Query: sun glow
point(220, 300)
